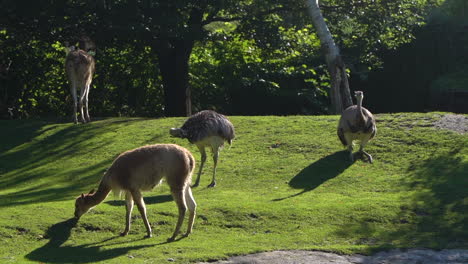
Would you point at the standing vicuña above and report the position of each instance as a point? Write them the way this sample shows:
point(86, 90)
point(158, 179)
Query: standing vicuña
point(142, 169)
point(80, 66)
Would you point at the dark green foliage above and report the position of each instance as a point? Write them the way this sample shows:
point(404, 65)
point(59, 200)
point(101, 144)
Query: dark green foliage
point(244, 79)
point(126, 82)
point(243, 57)
point(426, 74)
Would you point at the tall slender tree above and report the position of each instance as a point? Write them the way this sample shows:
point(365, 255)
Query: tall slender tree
point(339, 91)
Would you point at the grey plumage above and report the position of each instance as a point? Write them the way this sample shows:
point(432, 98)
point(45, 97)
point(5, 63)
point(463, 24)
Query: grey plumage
point(207, 123)
point(357, 123)
point(206, 129)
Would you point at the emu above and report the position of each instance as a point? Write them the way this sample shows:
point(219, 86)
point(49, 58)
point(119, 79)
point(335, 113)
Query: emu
point(142, 169)
point(80, 67)
point(206, 129)
point(357, 123)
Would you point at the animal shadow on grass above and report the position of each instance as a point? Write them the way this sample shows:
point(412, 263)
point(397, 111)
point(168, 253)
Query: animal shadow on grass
point(318, 172)
point(54, 252)
point(434, 214)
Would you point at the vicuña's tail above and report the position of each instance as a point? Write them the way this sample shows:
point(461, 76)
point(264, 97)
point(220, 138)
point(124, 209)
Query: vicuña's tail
point(192, 163)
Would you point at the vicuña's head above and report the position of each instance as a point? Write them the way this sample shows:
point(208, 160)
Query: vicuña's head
point(359, 95)
point(82, 204)
point(86, 43)
point(177, 132)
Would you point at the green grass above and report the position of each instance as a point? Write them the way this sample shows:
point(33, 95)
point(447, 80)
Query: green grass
point(284, 184)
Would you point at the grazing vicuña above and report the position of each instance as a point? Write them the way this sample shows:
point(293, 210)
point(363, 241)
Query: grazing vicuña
point(142, 169)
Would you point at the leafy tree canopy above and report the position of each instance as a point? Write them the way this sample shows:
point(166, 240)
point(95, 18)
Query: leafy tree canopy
point(260, 47)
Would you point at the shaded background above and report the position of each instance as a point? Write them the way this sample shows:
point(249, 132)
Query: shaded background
point(265, 59)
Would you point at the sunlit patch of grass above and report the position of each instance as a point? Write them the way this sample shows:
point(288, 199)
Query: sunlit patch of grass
point(285, 183)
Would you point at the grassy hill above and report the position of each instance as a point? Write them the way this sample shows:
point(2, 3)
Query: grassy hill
point(285, 183)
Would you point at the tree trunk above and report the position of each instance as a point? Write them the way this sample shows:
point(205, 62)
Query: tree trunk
point(173, 57)
point(188, 100)
point(339, 91)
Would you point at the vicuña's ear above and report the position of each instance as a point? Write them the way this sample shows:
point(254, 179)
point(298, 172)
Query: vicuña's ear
point(92, 191)
point(82, 196)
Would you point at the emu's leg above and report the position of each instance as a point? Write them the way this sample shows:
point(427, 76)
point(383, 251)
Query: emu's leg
point(75, 102)
point(203, 159)
point(88, 119)
point(142, 208)
point(350, 149)
point(361, 150)
point(192, 207)
point(129, 207)
point(179, 198)
point(349, 141)
point(215, 161)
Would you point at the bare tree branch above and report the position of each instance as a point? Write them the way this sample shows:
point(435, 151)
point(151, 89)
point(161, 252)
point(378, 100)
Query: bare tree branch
point(212, 19)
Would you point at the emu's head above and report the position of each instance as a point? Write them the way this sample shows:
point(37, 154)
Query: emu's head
point(359, 95)
point(82, 205)
point(177, 132)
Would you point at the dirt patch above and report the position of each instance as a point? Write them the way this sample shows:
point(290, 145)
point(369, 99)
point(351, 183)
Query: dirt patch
point(412, 256)
point(22, 230)
point(94, 228)
point(89, 227)
point(457, 123)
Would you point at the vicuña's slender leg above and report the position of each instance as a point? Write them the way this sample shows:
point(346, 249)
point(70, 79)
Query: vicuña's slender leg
point(88, 119)
point(192, 207)
point(75, 101)
point(82, 102)
point(128, 215)
point(179, 198)
point(142, 208)
point(215, 161)
point(203, 159)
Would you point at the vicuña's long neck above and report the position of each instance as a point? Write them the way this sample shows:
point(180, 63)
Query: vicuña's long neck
point(101, 194)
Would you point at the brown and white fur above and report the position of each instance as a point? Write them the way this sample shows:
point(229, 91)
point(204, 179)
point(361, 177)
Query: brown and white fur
point(206, 129)
point(357, 123)
point(79, 67)
point(142, 169)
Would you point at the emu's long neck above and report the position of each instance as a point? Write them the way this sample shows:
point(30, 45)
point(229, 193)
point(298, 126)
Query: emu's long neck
point(359, 108)
point(101, 194)
point(177, 132)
